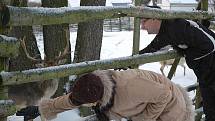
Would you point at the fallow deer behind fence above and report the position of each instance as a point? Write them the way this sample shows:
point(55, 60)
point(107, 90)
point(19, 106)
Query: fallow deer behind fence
point(170, 62)
point(32, 93)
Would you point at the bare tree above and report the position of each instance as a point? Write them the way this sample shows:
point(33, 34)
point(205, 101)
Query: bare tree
point(143, 2)
point(55, 38)
point(89, 40)
point(31, 93)
point(21, 62)
point(89, 36)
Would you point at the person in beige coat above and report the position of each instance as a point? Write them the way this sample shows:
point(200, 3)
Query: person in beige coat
point(134, 94)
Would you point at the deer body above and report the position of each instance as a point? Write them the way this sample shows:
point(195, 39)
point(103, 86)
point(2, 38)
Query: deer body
point(170, 62)
point(31, 93)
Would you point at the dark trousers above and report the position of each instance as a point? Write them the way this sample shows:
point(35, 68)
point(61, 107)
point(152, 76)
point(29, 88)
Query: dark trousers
point(205, 72)
point(208, 95)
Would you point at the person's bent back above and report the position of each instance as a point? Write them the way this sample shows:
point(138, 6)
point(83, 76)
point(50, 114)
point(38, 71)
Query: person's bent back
point(133, 94)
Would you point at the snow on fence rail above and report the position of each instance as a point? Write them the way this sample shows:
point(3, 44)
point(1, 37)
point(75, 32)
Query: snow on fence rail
point(9, 46)
point(17, 16)
point(32, 75)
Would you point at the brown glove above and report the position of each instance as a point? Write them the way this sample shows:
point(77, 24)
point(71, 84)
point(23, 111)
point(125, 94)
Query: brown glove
point(49, 108)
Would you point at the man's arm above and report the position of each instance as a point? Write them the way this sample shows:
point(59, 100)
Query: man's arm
point(157, 43)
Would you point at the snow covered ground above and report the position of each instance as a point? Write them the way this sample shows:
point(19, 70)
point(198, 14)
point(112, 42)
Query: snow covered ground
point(119, 44)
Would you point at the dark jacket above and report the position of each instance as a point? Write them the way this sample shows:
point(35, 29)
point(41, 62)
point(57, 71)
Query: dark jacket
point(192, 39)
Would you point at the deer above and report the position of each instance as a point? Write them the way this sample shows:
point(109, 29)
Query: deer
point(170, 62)
point(35, 91)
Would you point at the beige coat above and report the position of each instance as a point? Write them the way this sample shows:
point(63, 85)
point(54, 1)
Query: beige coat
point(145, 96)
point(139, 95)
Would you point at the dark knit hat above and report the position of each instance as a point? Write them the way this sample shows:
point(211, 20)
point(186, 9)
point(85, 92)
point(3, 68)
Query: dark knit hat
point(87, 89)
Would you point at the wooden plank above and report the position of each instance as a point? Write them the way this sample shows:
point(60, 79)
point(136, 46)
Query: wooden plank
point(18, 16)
point(33, 75)
point(9, 46)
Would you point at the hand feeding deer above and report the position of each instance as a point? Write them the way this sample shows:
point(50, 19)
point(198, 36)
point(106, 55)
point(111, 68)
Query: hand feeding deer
point(170, 62)
point(35, 91)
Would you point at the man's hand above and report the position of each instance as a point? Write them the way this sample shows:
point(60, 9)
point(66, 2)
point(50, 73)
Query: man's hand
point(30, 112)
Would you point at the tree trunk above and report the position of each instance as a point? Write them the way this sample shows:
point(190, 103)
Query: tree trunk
point(55, 39)
point(144, 2)
point(89, 41)
point(6, 2)
point(154, 2)
point(89, 36)
point(21, 62)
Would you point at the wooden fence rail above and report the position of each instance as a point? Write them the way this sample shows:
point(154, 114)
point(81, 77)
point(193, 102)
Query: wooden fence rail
point(18, 16)
point(32, 75)
point(9, 47)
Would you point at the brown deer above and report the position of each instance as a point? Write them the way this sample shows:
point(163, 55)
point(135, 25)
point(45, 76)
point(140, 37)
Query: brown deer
point(35, 91)
point(170, 62)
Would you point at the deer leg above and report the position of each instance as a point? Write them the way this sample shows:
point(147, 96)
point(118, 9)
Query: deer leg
point(161, 69)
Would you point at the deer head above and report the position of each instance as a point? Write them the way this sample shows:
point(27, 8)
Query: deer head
point(31, 93)
point(60, 59)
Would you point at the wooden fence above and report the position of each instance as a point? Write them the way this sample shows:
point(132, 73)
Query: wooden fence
point(109, 25)
point(19, 16)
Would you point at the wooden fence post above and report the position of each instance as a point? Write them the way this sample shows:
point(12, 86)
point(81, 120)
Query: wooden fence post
point(136, 34)
point(7, 107)
point(173, 68)
point(3, 92)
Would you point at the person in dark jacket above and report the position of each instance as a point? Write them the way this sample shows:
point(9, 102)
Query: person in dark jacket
point(196, 42)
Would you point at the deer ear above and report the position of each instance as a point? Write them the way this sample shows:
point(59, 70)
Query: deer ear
point(40, 65)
